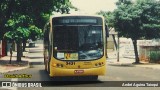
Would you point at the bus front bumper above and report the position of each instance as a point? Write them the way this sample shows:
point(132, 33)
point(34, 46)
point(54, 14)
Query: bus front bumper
point(77, 72)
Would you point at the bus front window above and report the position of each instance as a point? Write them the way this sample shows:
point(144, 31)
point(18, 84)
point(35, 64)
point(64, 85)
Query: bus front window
point(78, 42)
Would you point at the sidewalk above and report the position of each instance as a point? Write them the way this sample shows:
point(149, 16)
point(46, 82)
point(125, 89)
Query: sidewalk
point(15, 66)
point(112, 60)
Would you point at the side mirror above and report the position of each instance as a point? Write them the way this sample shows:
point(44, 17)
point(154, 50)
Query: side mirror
point(107, 31)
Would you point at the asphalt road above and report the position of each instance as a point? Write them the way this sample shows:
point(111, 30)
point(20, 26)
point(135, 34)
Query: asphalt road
point(114, 73)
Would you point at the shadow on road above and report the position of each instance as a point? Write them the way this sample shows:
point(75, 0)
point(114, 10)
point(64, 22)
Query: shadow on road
point(36, 63)
point(67, 80)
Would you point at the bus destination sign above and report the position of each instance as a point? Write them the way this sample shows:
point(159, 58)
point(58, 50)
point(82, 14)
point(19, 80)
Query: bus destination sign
point(76, 20)
point(83, 20)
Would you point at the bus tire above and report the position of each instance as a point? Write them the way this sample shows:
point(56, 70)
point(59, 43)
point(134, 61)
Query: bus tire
point(95, 78)
point(48, 66)
point(45, 65)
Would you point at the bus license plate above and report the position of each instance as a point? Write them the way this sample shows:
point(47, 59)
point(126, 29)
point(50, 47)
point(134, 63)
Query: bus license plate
point(78, 71)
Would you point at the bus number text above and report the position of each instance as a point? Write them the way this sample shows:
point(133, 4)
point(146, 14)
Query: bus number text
point(70, 63)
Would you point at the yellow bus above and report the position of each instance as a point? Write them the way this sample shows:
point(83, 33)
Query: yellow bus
point(74, 45)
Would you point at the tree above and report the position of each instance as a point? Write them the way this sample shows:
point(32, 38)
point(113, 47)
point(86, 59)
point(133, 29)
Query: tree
point(37, 10)
point(19, 31)
point(3, 16)
point(35, 32)
point(150, 18)
point(40, 10)
point(21, 18)
point(137, 20)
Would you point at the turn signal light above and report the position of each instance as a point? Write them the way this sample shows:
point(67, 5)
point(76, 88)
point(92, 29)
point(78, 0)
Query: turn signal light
point(57, 65)
point(99, 64)
point(54, 64)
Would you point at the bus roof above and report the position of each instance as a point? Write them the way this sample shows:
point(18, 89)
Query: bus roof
point(67, 15)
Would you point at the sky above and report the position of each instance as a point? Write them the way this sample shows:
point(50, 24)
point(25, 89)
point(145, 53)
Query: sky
point(93, 6)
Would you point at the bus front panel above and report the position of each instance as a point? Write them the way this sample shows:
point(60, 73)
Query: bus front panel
point(78, 46)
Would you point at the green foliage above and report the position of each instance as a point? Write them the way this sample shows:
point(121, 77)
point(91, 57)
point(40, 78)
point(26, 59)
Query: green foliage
point(18, 27)
point(35, 32)
point(21, 28)
point(37, 12)
point(150, 17)
point(121, 2)
point(154, 56)
point(128, 22)
point(138, 20)
point(17, 35)
point(109, 18)
point(21, 19)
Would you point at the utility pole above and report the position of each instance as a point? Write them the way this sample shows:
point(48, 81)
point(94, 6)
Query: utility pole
point(118, 48)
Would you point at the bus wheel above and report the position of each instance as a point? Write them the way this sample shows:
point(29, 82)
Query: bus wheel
point(95, 78)
point(48, 66)
point(45, 65)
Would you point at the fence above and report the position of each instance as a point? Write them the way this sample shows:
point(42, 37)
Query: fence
point(149, 53)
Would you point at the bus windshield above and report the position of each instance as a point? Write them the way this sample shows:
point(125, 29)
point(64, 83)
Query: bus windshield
point(78, 42)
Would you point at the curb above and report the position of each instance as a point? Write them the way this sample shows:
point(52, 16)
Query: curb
point(35, 50)
point(32, 57)
point(119, 64)
point(15, 69)
point(149, 67)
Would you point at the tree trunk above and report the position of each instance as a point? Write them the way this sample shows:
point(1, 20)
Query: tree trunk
point(115, 43)
point(135, 50)
point(24, 45)
point(19, 50)
point(106, 47)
